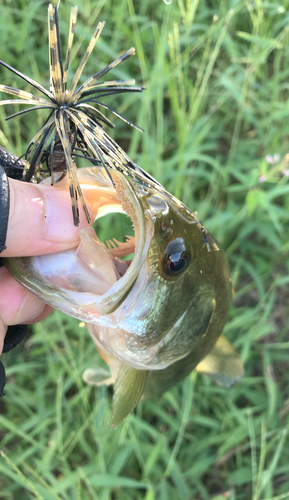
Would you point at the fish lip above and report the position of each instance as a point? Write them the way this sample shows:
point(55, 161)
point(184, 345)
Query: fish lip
point(144, 230)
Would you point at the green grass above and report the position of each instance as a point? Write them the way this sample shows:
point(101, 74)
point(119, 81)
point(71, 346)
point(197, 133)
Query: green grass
point(216, 105)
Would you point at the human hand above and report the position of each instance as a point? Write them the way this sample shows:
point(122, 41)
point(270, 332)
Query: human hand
point(40, 222)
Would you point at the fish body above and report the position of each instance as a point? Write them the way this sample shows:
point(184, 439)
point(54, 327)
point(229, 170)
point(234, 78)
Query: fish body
point(156, 318)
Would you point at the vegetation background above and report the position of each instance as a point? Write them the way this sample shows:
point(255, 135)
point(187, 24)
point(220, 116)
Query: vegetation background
point(215, 115)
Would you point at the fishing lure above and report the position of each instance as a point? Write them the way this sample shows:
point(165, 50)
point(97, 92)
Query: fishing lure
point(74, 126)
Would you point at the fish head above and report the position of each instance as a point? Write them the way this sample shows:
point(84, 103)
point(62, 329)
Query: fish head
point(182, 285)
point(171, 300)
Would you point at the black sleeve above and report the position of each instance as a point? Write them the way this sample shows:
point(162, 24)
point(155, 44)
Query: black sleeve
point(4, 207)
point(2, 380)
point(10, 166)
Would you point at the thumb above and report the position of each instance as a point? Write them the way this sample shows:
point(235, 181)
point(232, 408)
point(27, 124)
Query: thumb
point(40, 220)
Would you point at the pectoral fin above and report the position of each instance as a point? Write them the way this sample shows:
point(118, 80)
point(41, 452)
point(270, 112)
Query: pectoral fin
point(97, 376)
point(222, 364)
point(128, 389)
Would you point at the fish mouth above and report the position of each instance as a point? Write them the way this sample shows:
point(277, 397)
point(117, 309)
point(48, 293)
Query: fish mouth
point(127, 200)
point(90, 282)
point(48, 275)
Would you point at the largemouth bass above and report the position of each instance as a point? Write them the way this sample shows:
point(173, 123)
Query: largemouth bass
point(156, 318)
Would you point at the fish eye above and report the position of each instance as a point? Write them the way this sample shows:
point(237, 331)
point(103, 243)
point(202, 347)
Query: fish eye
point(177, 258)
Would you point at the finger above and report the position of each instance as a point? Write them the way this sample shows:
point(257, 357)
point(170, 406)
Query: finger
point(18, 305)
point(43, 314)
point(40, 220)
